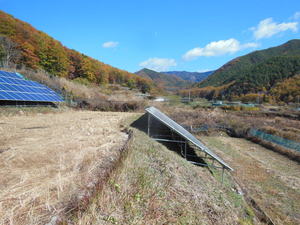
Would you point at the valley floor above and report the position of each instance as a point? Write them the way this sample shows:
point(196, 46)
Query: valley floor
point(50, 159)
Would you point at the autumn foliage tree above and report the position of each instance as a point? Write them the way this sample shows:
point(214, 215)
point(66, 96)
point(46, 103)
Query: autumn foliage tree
point(39, 51)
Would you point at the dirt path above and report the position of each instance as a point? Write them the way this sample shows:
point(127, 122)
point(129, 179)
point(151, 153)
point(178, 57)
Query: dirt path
point(46, 159)
point(271, 179)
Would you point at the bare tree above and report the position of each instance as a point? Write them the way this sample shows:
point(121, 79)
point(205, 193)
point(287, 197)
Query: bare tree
point(10, 51)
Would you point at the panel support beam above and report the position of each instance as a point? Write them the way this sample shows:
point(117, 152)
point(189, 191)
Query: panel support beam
point(168, 140)
point(204, 164)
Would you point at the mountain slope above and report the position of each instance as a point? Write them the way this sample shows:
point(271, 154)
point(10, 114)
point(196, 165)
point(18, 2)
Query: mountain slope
point(257, 73)
point(164, 81)
point(236, 68)
point(190, 76)
point(37, 50)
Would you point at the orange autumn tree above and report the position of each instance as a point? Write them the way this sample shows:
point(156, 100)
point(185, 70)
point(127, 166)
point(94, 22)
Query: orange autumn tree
point(40, 51)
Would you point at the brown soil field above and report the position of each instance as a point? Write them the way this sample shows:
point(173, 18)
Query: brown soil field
point(270, 179)
point(48, 160)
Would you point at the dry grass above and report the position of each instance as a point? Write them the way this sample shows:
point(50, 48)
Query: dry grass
point(154, 185)
point(269, 178)
point(239, 124)
point(292, 154)
point(48, 161)
point(89, 96)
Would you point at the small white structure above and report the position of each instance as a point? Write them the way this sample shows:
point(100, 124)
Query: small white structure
point(159, 99)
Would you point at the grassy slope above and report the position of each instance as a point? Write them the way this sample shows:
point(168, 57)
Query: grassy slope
point(156, 186)
point(269, 178)
point(87, 95)
point(233, 69)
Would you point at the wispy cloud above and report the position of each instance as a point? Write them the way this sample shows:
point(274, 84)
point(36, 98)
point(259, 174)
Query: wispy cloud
point(110, 44)
point(204, 70)
point(267, 28)
point(296, 16)
point(217, 48)
point(158, 64)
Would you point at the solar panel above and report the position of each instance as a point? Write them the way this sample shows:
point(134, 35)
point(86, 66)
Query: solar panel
point(184, 133)
point(15, 88)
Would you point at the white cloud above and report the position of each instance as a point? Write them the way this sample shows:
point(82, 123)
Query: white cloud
point(217, 48)
point(296, 16)
point(110, 44)
point(158, 64)
point(267, 28)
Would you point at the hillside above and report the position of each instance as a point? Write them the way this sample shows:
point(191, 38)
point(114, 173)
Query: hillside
point(236, 68)
point(164, 81)
point(257, 74)
point(190, 76)
point(37, 50)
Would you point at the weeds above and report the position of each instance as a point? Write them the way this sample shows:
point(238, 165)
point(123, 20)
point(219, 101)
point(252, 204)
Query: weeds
point(81, 93)
point(159, 187)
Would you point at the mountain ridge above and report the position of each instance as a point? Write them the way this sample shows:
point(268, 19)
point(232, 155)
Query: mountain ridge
point(229, 71)
point(261, 74)
point(170, 82)
point(191, 76)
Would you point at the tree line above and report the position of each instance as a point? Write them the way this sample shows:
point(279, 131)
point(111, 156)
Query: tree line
point(23, 45)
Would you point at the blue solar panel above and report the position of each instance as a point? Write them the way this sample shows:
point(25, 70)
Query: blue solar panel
point(14, 87)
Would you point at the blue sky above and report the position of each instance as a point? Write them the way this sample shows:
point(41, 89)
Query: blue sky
point(191, 35)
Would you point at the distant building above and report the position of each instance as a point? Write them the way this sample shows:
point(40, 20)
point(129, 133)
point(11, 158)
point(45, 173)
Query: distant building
point(217, 103)
point(160, 99)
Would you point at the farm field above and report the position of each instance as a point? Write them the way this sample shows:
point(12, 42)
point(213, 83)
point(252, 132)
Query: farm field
point(268, 178)
point(49, 159)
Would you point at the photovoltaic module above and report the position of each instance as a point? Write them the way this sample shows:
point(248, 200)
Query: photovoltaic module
point(14, 87)
point(163, 118)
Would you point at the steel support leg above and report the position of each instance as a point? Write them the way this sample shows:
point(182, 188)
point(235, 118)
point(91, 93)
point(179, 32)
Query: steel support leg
point(149, 117)
point(185, 146)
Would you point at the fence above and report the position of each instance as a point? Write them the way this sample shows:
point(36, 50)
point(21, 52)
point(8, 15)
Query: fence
point(205, 128)
point(253, 132)
point(275, 139)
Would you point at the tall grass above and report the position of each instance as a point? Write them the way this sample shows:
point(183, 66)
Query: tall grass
point(153, 185)
point(82, 94)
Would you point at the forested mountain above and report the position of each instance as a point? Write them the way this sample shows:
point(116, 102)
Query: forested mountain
point(190, 76)
point(36, 50)
point(241, 67)
point(164, 81)
point(264, 73)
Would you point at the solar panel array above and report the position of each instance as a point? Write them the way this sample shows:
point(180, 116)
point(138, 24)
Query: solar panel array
point(14, 87)
point(184, 133)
